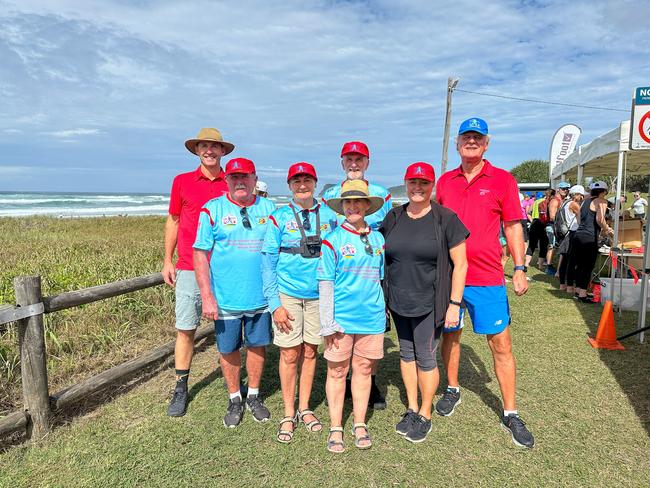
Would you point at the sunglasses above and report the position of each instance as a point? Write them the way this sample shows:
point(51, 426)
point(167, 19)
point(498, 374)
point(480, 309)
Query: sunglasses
point(245, 220)
point(305, 220)
point(366, 243)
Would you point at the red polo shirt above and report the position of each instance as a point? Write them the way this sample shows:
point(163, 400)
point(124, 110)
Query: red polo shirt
point(481, 204)
point(190, 192)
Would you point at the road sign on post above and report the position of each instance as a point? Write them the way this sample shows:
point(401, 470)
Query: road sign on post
point(640, 120)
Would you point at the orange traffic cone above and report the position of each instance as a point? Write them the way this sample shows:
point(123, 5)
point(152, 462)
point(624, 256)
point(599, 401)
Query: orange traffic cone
point(606, 334)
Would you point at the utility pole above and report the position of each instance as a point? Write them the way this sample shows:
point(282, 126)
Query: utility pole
point(451, 84)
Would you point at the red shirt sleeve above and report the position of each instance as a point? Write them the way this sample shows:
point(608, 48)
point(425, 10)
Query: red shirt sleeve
point(510, 206)
point(439, 185)
point(175, 203)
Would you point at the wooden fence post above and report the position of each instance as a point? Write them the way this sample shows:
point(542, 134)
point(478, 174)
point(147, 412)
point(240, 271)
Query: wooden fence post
point(33, 363)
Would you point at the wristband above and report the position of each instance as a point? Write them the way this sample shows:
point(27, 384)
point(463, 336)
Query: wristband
point(521, 267)
point(454, 302)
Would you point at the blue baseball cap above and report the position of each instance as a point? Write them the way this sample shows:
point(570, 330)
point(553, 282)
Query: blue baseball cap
point(539, 194)
point(473, 125)
point(564, 185)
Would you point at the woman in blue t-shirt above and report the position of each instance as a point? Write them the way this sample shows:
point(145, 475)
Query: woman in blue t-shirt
point(352, 308)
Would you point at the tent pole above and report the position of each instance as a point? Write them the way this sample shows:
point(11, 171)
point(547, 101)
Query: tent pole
point(617, 206)
point(580, 171)
point(644, 285)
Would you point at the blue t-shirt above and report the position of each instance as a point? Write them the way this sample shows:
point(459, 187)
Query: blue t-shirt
point(373, 220)
point(236, 260)
point(359, 305)
point(295, 275)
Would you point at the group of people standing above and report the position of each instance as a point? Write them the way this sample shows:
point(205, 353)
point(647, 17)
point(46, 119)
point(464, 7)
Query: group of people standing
point(334, 272)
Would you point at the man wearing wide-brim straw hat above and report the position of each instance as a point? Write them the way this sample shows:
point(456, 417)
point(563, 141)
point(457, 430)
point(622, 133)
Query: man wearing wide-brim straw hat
point(352, 308)
point(190, 191)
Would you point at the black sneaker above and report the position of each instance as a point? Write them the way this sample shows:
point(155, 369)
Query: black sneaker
point(449, 401)
point(420, 427)
point(234, 414)
point(521, 436)
point(404, 425)
point(376, 400)
point(178, 405)
point(255, 404)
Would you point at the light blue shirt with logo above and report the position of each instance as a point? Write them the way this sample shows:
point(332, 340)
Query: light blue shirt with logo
point(373, 220)
point(292, 274)
point(359, 306)
point(235, 258)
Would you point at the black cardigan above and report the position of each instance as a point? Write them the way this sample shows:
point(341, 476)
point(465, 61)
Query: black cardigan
point(444, 265)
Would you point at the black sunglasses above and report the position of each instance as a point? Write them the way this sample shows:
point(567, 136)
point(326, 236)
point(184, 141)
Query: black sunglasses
point(305, 220)
point(244, 218)
point(366, 243)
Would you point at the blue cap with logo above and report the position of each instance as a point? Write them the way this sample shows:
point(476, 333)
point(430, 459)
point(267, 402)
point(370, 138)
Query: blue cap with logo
point(565, 185)
point(473, 125)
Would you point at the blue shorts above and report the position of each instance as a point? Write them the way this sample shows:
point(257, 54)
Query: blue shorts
point(188, 300)
point(488, 308)
point(255, 324)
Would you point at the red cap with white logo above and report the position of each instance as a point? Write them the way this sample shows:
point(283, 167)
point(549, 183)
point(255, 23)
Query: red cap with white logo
point(301, 168)
point(355, 147)
point(240, 165)
point(420, 170)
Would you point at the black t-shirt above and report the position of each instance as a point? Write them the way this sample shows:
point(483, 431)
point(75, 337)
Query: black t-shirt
point(411, 256)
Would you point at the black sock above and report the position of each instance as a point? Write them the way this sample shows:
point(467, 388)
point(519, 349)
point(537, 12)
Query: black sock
point(181, 377)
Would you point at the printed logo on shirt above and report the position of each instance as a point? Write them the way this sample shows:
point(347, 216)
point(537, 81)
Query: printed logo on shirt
point(262, 221)
point(325, 227)
point(291, 226)
point(378, 251)
point(348, 251)
point(229, 220)
point(482, 192)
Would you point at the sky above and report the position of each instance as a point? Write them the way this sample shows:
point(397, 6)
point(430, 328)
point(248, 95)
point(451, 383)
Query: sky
point(101, 95)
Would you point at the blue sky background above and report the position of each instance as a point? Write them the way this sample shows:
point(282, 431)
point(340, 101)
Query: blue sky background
point(100, 95)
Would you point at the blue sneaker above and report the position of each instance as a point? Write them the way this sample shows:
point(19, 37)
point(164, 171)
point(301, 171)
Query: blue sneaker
point(550, 270)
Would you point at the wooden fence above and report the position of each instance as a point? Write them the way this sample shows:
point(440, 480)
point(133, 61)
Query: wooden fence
point(36, 417)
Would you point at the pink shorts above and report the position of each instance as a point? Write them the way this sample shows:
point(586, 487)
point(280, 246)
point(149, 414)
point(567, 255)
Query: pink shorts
point(369, 346)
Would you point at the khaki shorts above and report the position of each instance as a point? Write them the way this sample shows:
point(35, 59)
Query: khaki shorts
point(306, 322)
point(369, 346)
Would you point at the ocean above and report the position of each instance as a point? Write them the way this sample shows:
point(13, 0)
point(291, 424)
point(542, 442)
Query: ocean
point(73, 204)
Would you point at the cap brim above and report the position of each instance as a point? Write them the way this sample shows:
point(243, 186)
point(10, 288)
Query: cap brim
point(301, 174)
point(190, 144)
point(485, 133)
point(336, 204)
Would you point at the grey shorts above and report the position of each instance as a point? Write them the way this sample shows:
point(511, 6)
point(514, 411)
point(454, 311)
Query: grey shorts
point(188, 300)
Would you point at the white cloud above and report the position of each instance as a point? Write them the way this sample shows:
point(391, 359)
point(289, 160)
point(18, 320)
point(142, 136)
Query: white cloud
point(67, 134)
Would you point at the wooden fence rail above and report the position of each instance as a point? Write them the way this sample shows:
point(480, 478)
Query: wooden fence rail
point(36, 417)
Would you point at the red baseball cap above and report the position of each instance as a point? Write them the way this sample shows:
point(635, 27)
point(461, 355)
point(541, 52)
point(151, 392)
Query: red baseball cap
point(240, 165)
point(301, 168)
point(420, 170)
point(355, 147)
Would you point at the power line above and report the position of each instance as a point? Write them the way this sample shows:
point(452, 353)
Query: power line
point(542, 101)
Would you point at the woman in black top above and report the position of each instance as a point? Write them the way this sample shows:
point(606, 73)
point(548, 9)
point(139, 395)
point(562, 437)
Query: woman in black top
point(584, 246)
point(426, 266)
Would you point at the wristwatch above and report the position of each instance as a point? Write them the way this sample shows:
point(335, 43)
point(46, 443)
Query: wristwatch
point(454, 302)
point(521, 267)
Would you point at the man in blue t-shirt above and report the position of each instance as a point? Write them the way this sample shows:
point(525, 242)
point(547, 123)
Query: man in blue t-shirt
point(355, 159)
point(227, 263)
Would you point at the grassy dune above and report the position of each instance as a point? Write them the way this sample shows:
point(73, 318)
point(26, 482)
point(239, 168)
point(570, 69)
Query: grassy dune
point(75, 253)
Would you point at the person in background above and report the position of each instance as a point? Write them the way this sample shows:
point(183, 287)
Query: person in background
point(352, 309)
point(584, 246)
point(227, 260)
point(572, 218)
point(424, 280)
point(355, 159)
point(537, 234)
point(290, 255)
point(483, 196)
point(190, 191)
point(553, 206)
point(261, 189)
point(639, 206)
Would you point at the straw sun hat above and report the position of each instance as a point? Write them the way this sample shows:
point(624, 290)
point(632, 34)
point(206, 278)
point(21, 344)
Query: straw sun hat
point(208, 134)
point(354, 190)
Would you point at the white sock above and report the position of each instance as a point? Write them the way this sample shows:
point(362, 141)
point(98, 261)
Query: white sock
point(454, 388)
point(509, 412)
point(235, 395)
point(253, 391)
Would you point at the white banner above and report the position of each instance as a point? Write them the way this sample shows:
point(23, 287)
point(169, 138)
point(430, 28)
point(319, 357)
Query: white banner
point(563, 143)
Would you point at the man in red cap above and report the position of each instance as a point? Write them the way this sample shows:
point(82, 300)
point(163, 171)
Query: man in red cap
point(228, 260)
point(190, 191)
point(355, 159)
point(483, 196)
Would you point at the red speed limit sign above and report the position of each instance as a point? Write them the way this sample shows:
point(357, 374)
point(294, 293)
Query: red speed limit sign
point(640, 120)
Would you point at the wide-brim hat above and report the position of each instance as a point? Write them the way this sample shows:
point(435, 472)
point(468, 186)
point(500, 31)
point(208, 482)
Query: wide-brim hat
point(208, 134)
point(355, 190)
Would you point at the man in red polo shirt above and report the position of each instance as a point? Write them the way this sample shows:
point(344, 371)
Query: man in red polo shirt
point(190, 192)
point(484, 196)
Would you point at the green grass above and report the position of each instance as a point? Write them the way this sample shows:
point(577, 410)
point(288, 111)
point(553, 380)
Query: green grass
point(589, 411)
